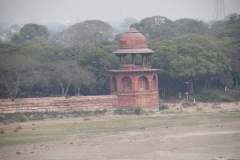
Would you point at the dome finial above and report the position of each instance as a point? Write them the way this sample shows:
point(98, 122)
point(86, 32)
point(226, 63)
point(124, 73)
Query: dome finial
point(132, 30)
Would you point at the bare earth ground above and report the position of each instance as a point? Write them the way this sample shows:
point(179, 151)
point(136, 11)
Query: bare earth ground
point(208, 131)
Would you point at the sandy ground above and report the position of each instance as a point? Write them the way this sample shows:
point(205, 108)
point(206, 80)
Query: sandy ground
point(200, 136)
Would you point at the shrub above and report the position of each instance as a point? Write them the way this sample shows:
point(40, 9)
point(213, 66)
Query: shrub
point(2, 131)
point(19, 127)
point(104, 110)
point(164, 106)
point(46, 111)
point(86, 119)
point(21, 117)
point(16, 130)
point(2, 117)
point(137, 110)
point(98, 111)
point(5, 122)
point(236, 94)
point(124, 111)
point(226, 99)
point(118, 111)
point(186, 104)
point(209, 95)
point(199, 109)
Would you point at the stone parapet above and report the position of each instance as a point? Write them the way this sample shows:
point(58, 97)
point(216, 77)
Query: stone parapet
point(59, 104)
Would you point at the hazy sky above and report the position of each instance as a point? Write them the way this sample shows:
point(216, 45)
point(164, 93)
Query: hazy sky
point(42, 11)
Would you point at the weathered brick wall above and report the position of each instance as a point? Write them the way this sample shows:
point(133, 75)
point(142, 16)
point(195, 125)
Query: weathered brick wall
point(60, 104)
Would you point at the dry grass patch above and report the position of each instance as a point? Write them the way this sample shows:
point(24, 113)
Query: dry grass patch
point(55, 130)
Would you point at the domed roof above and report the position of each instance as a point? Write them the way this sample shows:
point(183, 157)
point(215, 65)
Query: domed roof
point(133, 39)
point(133, 42)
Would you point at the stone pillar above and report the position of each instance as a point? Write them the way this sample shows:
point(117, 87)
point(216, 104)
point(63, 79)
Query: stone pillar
point(142, 60)
point(119, 83)
point(124, 59)
point(133, 58)
point(147, 60)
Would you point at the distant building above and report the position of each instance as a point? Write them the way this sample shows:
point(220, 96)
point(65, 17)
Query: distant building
point(13, 31)
point(3, 38)
point(135, 85)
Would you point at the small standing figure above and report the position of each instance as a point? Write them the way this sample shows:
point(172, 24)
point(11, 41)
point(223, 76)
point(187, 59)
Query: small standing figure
point(12, 98)
point(226, 89)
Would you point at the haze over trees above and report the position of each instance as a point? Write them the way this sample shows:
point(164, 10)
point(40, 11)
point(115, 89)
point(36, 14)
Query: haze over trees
point(74, 61)
point(81, 36)
point(30, 32)
point(14, 29)
point(128, 22)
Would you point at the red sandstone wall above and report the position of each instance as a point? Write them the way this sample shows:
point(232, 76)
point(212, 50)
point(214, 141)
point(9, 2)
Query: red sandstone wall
point(59, 104)
point(146, 101)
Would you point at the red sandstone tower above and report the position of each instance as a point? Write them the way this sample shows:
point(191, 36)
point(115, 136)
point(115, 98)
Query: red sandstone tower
point(135, 85)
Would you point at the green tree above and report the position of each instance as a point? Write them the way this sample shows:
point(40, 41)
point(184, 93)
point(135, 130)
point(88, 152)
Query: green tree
point(228, 35)
point(127, 22)
point(230, 40)
point(98, 59)
point(39, 54)
point(81, 36)
point(191, 58)
point(29, 32)
point(68, 73)
point(232, 18)
point(190, 26)
point(15, 71)
point(8, 47)
point(14, 29)
point(83, 79)
point(156, 27)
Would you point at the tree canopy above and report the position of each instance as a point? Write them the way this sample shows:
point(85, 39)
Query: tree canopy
point(98, 59)
point(29, 32)
point(156, 27)
point(81, 36)
point(191, 57)
point(190, 26)
point(127, 22)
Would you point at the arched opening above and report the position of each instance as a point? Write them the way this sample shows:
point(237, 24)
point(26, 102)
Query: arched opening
point(143, 83)
point(114, 84)
point(128, 59)
point(126, 84)
point(138, 60)
point(154, 82)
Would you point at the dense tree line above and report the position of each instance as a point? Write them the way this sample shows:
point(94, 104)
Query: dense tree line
point(192, 51)
point(74, 61)
point(33, 65)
